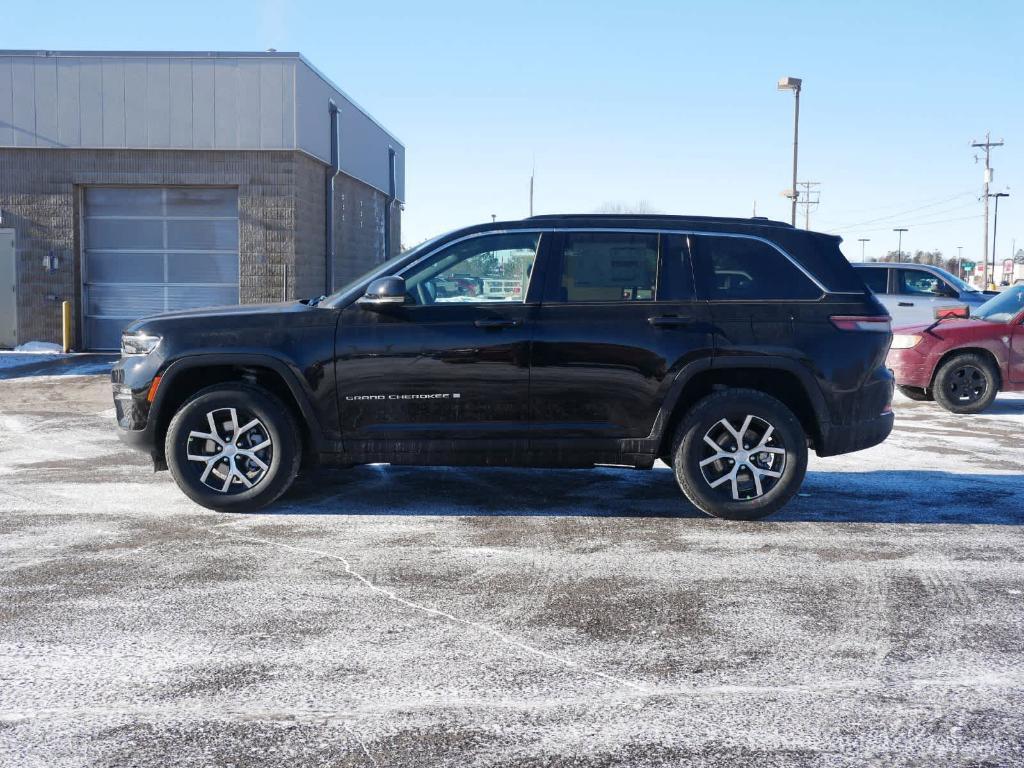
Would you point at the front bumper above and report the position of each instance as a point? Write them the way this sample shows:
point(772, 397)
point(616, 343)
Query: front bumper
point(910, 367)
point(131, 382)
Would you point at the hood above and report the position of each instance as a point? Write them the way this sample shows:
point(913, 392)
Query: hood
point(946, 327)
point(236, 310)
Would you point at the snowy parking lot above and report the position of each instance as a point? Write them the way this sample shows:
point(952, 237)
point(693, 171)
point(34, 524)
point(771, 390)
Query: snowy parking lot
point(455, 617)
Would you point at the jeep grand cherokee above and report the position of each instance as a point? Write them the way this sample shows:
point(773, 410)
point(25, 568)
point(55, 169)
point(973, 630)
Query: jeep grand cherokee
point(724, 347)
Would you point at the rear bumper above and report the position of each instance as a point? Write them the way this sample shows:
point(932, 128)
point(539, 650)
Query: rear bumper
point(847, 438)
point(910, 367)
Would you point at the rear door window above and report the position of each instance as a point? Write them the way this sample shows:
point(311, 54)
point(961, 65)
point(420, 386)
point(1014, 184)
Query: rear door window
point(877, 280)
point(745, 269)
point(607, 267)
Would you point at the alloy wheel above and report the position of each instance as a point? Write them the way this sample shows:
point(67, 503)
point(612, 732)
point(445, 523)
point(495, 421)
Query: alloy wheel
point(235, 452)
point(744, 462)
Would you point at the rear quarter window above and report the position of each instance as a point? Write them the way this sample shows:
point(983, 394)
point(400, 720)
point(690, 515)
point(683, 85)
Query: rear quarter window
point(744, 269)
point(877, 280)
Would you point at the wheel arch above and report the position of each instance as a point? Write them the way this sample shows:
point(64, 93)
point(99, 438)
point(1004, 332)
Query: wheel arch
point(781, 378)
point(957, 351)
point(183, 378)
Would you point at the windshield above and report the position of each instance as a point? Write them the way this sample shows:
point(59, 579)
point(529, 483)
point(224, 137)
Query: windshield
point(1002, 308)
point(341, 295)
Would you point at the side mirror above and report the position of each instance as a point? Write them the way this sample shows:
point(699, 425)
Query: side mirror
point(384, 292)
point(943, 313)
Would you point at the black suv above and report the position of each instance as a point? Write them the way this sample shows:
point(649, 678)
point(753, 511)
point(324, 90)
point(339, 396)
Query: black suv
point(724, 347)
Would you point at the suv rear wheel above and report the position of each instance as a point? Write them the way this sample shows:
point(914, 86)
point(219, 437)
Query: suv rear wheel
point(966, 383)
point(233, 448)
point(739, 454)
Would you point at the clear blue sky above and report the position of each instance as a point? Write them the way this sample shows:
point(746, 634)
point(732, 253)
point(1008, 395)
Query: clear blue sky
point(673, 103)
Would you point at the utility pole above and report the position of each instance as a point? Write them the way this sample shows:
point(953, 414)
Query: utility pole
point(995, 226)
point(899, 247)
point(811, 197)
point(862, 241)
point(987, 145)
point(960, 262)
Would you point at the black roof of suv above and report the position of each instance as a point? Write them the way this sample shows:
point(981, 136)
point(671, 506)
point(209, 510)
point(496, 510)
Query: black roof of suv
point(724, 347)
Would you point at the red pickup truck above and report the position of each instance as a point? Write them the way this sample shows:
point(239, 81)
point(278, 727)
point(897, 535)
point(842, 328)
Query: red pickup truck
point(963, 359)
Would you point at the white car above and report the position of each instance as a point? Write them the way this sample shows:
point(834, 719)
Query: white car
point(912, 292)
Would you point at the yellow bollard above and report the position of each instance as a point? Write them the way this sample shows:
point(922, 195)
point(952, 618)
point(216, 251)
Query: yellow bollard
point(65, 310)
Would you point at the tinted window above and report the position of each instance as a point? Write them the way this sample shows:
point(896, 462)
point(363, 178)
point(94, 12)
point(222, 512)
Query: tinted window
point(740, 268)
point(608, 266)
point(492, 268)
point(675, 281)
point(917, 282)
point(875, 279)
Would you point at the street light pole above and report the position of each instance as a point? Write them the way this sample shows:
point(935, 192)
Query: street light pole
point(899, 248)
point(862, 241)
point(960, 262)
point(995, 227)
point(793, 84)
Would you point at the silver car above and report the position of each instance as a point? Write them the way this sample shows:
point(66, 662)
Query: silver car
point(912, 292)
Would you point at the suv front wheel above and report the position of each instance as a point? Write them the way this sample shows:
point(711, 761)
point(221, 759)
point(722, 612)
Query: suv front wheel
point(739, 454)
point(233, 448)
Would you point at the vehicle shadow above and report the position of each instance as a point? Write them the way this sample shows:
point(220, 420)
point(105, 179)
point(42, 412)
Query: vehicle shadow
point(911, 496)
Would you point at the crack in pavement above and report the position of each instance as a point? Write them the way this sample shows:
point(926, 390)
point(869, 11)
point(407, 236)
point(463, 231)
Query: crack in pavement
point(394, 597)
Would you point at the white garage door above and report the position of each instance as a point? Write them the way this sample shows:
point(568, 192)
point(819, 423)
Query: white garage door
point(151, 249)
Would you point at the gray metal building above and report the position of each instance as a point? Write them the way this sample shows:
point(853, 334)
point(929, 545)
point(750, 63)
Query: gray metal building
point(133, 183)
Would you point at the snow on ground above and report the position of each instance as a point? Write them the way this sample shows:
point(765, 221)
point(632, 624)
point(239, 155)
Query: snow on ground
point(387, 616)
point(31, 362)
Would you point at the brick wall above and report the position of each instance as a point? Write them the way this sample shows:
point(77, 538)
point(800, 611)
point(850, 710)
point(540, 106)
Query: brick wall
point(359, 224)
point(281, 219)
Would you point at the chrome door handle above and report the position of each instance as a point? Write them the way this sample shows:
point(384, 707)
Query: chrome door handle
point(905, 304)
point(669, 321)
point(496, 323)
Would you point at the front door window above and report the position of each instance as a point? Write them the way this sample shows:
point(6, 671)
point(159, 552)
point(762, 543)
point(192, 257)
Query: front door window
point(488, 269)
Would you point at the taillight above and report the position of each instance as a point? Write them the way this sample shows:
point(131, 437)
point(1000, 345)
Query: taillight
point(870, 323)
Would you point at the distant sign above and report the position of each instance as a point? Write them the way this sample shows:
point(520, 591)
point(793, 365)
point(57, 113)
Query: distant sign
point(979, 269)
point(969, 265)
point(1008, 267)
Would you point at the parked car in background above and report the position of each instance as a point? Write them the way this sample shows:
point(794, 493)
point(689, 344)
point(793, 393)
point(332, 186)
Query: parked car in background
point(963, 362)
point(725, 347)
point(912, 292)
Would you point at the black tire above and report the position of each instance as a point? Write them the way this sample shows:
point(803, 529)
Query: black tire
point(281, 458)
point(916, 393)
point(787, 442)
point(966, 383)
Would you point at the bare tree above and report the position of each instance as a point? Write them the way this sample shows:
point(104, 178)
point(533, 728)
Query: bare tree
point(639, 208)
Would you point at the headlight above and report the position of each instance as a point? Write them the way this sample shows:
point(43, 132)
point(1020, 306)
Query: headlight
point(905, 341)
point(138, 343)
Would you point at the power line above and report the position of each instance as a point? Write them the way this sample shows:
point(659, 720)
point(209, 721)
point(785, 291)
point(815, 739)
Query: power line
point(900, 214)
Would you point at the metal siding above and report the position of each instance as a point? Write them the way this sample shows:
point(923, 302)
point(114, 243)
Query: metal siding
point(272, 112)
point(203, 93)
point(6, 102)
point(250, 106)
point(69, 124)
point(158, 101)
point(225, 104)
point(46, 102)
point(90, 95)
point(180, 107)
point(24, 101)
point(135, 133)
point(288, 102)
point(113, 103)
point(183, 101)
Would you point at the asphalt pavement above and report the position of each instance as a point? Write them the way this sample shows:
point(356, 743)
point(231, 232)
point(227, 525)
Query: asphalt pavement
point(385, 616)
